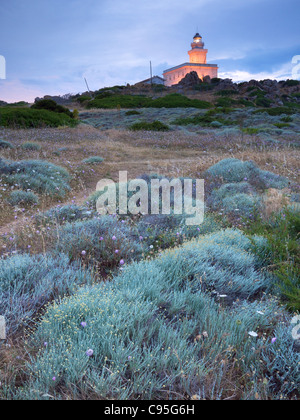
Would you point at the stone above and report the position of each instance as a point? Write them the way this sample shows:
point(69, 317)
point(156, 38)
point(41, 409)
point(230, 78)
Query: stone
point(207, 79)
point(2, 328)
point(227, 84)
point(191, 79)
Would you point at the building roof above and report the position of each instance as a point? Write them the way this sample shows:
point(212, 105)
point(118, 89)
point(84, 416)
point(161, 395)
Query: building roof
point(190, 65)
point(197, 35)
point(153, 77)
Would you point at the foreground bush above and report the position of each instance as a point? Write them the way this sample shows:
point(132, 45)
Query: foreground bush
point(218, 195)
point(27, 283)
point(282, 251)
point(103, 242)
point(244, 205)
point(234, 170)
point(36, 175)
point(33, 118)
point(25, 198)
point(154, 331)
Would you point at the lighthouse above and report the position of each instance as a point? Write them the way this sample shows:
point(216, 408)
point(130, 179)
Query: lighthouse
point(198, 63)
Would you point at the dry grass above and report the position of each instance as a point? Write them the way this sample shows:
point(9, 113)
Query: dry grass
point(274, 200)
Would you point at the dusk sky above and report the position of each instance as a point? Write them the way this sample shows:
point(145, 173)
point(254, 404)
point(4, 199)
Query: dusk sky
point(50, 46)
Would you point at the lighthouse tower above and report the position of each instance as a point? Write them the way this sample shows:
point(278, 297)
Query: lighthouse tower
point(198, 53)
point(198, 63)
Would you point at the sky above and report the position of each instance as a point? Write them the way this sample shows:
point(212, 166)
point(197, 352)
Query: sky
point(50, 46)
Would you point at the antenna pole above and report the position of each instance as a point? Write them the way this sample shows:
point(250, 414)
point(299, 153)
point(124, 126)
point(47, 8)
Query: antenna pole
point(151, 73)
point(88, 87)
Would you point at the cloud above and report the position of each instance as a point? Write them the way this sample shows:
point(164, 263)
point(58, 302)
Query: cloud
point(111, 42)
point(282, 73)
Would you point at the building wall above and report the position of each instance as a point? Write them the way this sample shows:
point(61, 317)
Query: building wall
point(174, 76)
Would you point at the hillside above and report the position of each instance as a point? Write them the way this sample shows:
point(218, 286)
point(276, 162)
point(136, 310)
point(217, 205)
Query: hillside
point(139, 307)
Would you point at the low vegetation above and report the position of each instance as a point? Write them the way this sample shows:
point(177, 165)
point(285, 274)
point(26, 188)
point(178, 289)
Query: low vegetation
point(38, 176)
point(154, 126)
point(145, 306)
point(127, 101)
point(33, 118)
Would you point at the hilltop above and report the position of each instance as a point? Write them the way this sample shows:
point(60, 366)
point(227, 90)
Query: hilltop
point(264, 93)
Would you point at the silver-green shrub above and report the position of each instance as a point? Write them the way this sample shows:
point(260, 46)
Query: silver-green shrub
point(27, 283)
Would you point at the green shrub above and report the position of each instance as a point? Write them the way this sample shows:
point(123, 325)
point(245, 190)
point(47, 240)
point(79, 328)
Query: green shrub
point(104, 94)
point(226, 92)
point(133, 112)
point(291, 83)
point(204, 87)
point(33, 118)
point(153, 126)
point(257, 92)
point(251, 130)
point(36, 175)
point(282, 251)
point(24, 198)
point(83, 98)
point(225, 102)
point(31, 146)
point(123, 101)
point(206, 120)
point(159, 88)
point(173, 100)
point(215, 80)
point(282, 125)
point(263, 102)
point(246, 103)
point(18, 104)
point(276, 111)
point(51, 105)
point(287, 119)
point(93, 160)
